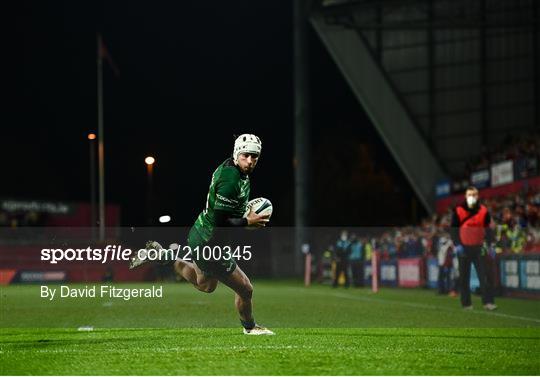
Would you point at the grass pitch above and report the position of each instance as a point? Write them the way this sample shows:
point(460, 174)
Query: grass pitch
point(320, 331)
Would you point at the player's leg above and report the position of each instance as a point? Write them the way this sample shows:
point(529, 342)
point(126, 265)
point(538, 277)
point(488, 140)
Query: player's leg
point(240, 284)
point(195, 276)
point(186, 270)
point(189, 269)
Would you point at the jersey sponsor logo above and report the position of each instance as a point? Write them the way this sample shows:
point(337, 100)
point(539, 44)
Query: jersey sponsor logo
point(226, 200)
point(225, 205)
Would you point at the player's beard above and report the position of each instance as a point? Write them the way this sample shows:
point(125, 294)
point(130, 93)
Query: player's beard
point(248, 169)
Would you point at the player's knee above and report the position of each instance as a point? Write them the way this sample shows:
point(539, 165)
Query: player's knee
point(209, 289)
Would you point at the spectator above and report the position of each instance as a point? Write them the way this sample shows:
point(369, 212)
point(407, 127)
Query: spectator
point(325, 265)
point(341, 258)
point(470, 229)
point(411, 246)
point(444, 261)
point(357, 261)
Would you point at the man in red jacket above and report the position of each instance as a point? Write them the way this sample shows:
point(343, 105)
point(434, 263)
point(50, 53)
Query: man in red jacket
point(470, 229)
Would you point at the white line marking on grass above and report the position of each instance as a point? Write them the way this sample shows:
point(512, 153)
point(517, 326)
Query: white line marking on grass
point(509, 316)
point(86, 328)
point(426, 306)
point(186, 348)
point(351, 348)
point(433, 307)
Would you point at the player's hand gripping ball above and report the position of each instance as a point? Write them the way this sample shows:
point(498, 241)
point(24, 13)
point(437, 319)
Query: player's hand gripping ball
point(260, 206)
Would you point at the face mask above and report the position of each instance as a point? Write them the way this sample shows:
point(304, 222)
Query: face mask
point(471, 201)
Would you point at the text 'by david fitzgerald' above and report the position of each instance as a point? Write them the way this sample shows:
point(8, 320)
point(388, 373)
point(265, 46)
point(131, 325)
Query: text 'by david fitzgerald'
point(99, 291)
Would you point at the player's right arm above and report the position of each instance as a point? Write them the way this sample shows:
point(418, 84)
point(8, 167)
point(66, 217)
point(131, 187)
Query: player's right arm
point(224, 219)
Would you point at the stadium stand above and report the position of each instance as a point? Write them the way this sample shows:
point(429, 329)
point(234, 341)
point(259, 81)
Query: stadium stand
point(514, 206)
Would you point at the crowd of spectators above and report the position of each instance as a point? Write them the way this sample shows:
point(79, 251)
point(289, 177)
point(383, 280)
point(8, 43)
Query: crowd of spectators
point(523, 150)
point(515, 223)
point(515, 217)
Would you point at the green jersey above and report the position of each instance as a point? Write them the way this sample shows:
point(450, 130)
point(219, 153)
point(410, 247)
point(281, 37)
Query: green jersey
point(228, 192)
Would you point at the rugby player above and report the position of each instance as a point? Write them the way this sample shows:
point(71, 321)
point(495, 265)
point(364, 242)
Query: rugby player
point(225, 207)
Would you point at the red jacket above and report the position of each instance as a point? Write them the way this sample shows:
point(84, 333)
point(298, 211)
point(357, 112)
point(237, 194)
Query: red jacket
point(472, 223)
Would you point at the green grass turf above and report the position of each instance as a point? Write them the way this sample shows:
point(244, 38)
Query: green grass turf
point(320, 331)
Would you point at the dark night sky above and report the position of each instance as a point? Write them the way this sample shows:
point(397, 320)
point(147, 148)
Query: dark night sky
point(191, 74)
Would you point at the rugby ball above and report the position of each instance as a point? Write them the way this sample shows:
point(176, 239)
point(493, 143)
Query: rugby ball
point(261, 206)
